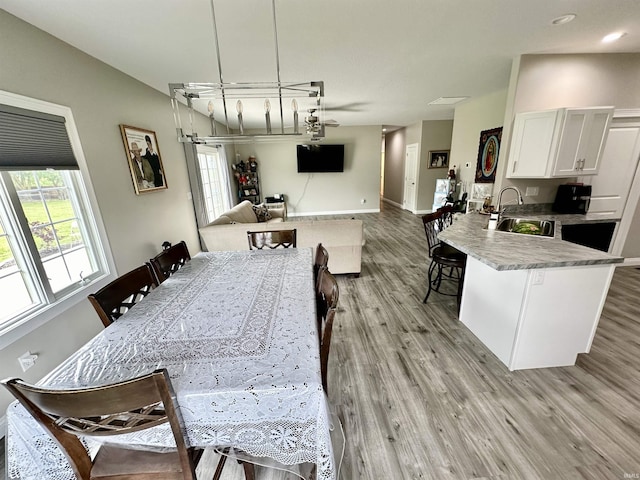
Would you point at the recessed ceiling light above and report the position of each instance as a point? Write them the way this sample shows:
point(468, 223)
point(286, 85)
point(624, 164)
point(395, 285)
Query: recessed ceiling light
point(447, 100)
point(384, 129)
point(563, 19)
point(612, 37)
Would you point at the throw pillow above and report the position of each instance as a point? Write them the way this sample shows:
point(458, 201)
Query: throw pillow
point(262, 212)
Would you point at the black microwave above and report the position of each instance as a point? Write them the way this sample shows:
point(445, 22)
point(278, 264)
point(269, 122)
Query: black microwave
point(572, 199)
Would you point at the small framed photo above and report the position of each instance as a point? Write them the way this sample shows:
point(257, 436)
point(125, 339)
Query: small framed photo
point(439, 159)
point(143, 158)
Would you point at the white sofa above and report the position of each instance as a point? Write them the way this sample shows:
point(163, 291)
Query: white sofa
point(343, 239)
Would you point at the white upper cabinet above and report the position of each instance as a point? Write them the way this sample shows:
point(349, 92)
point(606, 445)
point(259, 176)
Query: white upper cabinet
point(565, 142)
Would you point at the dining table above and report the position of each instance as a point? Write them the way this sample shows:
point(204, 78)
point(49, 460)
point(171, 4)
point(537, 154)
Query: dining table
point(237, 333)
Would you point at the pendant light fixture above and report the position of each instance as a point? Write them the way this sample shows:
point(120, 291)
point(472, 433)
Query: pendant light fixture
point(208, 98)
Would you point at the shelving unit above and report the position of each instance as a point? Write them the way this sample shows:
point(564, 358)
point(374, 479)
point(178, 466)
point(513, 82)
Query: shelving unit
point(248, 180)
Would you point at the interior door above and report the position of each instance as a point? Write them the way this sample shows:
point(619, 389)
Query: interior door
point(611, 186)
point(409, 200)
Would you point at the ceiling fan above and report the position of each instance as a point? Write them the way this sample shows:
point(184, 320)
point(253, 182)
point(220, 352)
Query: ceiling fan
point(315, 126)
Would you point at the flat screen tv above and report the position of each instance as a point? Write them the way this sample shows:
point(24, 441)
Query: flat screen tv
point(320, 158)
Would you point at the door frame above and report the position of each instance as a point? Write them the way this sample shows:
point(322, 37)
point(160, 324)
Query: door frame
point(414, 201)
point(632, 199)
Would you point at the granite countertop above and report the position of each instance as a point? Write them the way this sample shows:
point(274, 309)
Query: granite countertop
point(511, 251)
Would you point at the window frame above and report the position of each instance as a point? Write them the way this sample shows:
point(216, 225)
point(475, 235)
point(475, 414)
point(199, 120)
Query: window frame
point(224, 180)
point(40, 314)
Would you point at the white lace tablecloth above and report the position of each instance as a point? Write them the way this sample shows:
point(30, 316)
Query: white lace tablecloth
point(237, 333)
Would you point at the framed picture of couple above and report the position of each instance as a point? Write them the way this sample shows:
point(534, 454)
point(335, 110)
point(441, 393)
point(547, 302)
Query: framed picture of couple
point(143, 158)
point(439, 159)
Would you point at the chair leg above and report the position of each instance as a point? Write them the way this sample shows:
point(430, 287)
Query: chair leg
point(438, 280)
point(429, 280)
point(249, 471)
point(460, 284)
point(220, 467)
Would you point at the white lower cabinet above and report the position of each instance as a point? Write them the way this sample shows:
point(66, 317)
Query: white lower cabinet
point(564, 142)
point(534, 318)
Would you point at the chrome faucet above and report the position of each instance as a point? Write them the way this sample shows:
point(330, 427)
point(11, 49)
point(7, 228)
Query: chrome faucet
point(510, 187)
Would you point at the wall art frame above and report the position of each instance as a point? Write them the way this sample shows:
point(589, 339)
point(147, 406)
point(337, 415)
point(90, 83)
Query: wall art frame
point(488, 151)
point(147, 170)
point(439, 159)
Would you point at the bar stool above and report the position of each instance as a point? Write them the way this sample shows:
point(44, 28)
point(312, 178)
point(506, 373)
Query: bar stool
point(443, 257)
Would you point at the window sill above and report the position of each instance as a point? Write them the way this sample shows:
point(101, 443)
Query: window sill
point(14, 332)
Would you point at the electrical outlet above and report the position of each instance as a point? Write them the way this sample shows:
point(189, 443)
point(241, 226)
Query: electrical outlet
point(531, 191)
point(27, 360)
point(538, 277)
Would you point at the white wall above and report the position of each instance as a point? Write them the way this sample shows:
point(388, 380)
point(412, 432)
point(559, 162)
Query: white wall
point(394, 153)
point(435, 135)
point(429, 135)
point(323, 193)
point(631, 247)
point(471, 118)
point(35, 64)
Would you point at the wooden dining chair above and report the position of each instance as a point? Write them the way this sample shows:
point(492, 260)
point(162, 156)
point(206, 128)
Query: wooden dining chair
point(326, 304)
point(321, 261)
point(272, 239)
point(109, 410)
point(113, 300)
point(170, 260)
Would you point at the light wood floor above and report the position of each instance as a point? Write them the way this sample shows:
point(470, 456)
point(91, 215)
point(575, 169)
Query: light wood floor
point(421, 398)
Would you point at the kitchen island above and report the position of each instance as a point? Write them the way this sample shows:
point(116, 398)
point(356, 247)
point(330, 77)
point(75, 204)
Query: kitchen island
point(533, 301)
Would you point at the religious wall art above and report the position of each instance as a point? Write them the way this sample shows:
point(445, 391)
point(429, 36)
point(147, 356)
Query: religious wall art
point(488, 155)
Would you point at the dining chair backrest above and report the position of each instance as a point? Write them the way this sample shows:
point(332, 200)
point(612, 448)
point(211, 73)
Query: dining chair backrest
point(446, 218)
point(271, 239)
point(170, 260)
point(326, 304)
point(432, 226)
point(115, 299)
point(108, 410)
point(321, 261)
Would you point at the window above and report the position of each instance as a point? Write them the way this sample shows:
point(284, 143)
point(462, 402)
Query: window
point(214, 175)
point(49, 243)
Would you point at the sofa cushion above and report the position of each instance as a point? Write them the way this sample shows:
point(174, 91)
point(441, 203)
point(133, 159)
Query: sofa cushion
point(242, 213)
point(262, 212)
point(221, 220)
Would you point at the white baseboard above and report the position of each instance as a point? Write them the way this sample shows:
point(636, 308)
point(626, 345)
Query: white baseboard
point(629, 262)
point(336, 212)
point(399, 205)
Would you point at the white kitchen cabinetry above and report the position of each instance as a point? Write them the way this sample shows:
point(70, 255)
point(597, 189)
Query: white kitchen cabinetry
point(565, 142)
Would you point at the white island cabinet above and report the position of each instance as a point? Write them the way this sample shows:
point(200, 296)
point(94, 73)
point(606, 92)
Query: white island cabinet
point(534, 318)
point(534, 302)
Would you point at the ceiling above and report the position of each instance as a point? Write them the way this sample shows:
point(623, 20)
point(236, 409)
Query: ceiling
point(382, 61)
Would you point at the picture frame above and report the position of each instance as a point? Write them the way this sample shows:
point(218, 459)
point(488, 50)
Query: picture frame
point(488, 151)
point(147, 170)
point(438, 159)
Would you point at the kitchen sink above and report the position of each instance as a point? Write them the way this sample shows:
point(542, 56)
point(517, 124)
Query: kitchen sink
point(523, 226)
